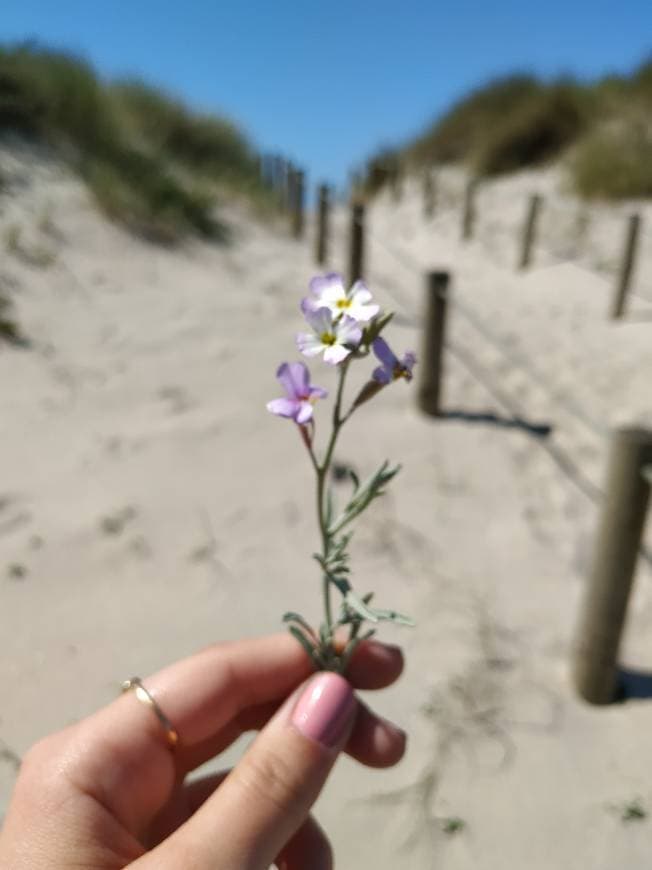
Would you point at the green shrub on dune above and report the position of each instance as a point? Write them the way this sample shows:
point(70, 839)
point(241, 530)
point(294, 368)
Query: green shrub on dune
point(539, 129)
point(615, 160)
point(153, 164)
point(461, 131)
point(601, 129)
point(202, 143)
point(56, 96)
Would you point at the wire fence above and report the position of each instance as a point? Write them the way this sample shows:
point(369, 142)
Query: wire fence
point(590, 236)
point(561, 457)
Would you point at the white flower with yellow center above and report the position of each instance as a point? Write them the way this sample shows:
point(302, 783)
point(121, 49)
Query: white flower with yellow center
point(331, 293)
point(335, 337)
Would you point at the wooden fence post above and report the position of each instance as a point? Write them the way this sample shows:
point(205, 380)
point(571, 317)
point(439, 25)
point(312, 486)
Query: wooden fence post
point(432, 352)
point(356, 184)
point(614, 560)
point(429, 193)
point(298, 204)
point(263, 169)
point(290, 188)
point(323, 205)
point(529, 231)
point(281, 179)
point(627, 266)
point(356, 249)
point(468, 215)
point(397, 183)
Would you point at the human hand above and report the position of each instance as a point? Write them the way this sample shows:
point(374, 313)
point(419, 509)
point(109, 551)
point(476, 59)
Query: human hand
point(109, 792)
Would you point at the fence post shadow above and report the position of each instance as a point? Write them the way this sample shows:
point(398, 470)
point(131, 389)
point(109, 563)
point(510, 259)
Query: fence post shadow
point(431, 368)
point(632, 684)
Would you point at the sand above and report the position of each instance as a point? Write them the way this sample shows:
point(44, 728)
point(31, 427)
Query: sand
point(149, 505)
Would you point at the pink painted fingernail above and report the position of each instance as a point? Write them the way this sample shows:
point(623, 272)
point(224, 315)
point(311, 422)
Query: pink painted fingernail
point(325, 709)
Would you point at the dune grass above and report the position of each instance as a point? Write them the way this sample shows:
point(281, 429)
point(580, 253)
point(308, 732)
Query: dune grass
point(200, 143)
point(615, 160)
point(10, 332)
point(153, 164)
point(602, 129)
point(535, 131)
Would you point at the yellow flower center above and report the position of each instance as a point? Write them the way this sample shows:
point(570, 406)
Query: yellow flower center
point(327, 338)
point(343, 303)
point(400, 372)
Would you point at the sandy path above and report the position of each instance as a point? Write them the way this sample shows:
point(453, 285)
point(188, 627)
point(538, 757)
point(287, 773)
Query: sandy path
point(154, 507)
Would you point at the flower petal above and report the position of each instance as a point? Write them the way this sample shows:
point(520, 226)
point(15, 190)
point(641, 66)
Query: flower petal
point(304, 413)
point(295, 379)
point(335, 353)
point(383, 352)
point(409, 360)
point(284, 375)
point(331, 296)
point(348, 331)
point(317, 392)
point(283, 407)
point(309, 344)
point(320, 319)
point(360, 292)
point(320, 283)
point(382, 375)
point(309, 305)
point(363, 312)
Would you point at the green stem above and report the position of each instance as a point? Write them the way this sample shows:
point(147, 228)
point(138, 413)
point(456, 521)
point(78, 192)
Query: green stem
point(313, 459)
point(337, 419)
point(322, 474)
point(324, 545)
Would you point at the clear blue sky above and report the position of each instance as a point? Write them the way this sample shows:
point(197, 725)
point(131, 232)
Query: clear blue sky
point(328, 82)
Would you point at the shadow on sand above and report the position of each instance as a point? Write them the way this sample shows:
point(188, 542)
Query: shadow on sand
point(640, 316)
point(633, 684)
point(489, 418)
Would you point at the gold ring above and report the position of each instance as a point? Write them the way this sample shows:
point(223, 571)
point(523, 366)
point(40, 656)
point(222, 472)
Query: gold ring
point(145, 697)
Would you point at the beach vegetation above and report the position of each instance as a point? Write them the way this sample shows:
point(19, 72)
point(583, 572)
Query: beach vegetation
point(10, 332)
point(600, 130)
point(154, 165)
point(615, 160)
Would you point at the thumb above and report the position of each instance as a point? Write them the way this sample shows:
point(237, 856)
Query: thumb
point(268, 795)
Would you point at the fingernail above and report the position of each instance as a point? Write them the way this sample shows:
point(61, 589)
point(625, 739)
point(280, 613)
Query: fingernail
point(394, 728)
point(325, 709)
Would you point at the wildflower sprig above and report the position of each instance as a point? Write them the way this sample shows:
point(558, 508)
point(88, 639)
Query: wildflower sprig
point(346, 327)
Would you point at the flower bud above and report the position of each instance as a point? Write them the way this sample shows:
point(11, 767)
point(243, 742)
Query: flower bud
point(367, 392)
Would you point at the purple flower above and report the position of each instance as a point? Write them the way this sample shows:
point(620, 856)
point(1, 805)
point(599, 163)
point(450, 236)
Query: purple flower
point(295, 380)
point(392, 367)
point(334, 338)
point(330, 293)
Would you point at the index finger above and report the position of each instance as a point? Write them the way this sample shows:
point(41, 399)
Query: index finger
point(203, 693)
point(126, 763)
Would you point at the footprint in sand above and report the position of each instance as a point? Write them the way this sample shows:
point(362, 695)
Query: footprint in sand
point(177, 399)
point(12, 516)
point(114, 524)
point(17, 571)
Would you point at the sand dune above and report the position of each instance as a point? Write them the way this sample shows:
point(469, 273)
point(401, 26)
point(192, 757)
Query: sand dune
point(149, 504)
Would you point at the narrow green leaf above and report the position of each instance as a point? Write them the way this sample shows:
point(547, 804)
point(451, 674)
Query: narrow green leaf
point(372, 488)
point(374, 329)
point(290, 616)
point(393, 616)
point(341, 583)
point(359, 606)
point(305, 643)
